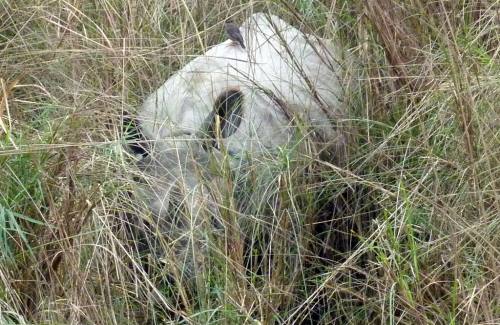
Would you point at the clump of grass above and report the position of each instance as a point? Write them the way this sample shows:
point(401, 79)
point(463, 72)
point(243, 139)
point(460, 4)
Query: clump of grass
point(423, 159)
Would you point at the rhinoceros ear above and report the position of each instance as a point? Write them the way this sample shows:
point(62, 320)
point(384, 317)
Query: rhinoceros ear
point(135, 139)
point(228, 109)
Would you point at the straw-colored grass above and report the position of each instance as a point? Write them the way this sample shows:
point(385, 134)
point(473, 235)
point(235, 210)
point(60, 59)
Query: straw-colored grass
point(407, 231)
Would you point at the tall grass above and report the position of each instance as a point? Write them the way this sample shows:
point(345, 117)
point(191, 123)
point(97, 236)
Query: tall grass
point(423, 158)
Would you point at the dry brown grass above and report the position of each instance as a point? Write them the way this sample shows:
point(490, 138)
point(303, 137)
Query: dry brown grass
point(424, 119)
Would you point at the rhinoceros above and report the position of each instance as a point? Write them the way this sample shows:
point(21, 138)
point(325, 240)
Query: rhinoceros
point(232, 103)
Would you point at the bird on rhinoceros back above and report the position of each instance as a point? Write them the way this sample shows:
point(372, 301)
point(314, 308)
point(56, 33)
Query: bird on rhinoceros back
point(233, 32)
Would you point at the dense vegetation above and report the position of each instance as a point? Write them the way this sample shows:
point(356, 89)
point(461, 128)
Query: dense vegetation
point(407, 231)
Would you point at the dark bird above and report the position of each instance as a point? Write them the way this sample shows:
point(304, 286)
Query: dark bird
point(233, 31)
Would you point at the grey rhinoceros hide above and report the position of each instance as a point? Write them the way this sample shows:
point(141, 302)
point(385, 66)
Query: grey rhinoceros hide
point(282, 80)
